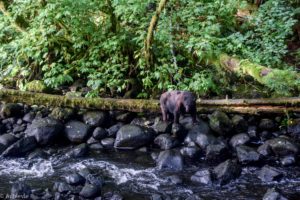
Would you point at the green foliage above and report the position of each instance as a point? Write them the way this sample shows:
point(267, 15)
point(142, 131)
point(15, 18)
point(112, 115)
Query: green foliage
point(263, 38)
point(102, 42)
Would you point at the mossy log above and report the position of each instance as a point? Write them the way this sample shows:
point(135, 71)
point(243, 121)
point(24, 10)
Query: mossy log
point(245, 106)
point(286, 80)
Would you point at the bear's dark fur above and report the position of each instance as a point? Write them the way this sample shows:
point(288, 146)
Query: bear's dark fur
point(176, 103)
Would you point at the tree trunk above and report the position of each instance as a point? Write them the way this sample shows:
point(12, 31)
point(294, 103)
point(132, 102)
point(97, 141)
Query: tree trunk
point(272, 78)
point(151, 29)
point(244, 106)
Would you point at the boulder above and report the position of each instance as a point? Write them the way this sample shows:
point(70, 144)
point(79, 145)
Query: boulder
point(166, 141)
point(90, 191)
point(283, 146)
point(273, 194)
point(75, 179)
point(63, 114)
point(252, 131)
point(226, 171)
point(203, 177)
point(20, 147)
point(45, 130)
point(20, 190)
point(200, 134)
point(247, 154)
point(190, 152)
point(288, 160)
point(126, 117)
point(170, 159)
point(239, 139)
point(100, 133)
point(133, 136)
point(112, 131)
point(95, 118)
point(29, 117)
point(175, 179)
point(265, 149)
point(11, 110)
point(220, 123)
point(268, 174)
point(2, 129)
point(37, 154)
point(77, 131)
point(178, 131)
point(7, 139)
point(239, 123)
point(79, 151)
point(162, 127)
point(216, 152)
point(108, 143)
point(266, 124)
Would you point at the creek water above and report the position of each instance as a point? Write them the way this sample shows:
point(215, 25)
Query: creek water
point(134, 176)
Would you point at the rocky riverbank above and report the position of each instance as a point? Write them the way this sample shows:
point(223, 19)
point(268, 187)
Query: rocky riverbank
point(231, 147)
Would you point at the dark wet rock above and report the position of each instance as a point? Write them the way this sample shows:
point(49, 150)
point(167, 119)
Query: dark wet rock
point(19, 121)
point(294, 130)
point(77, 131)
point(11, 110)
point(175, 179)
point(187, 122)
point(190, 152)
point(90, 191)
point(29, 117)
point(156, 197)
point(252, 131)
point(143, 121)
point(112, 196)
point(288, 160)
point(266, 124)
point(194, 197)
point(45, 130)
point(220, 123)
point(95, 118)
point(273, 194)
point(2, 148)
point(142, 149)
point(216, 152)
point(247, 154)
point(162, 127)
point(283, 146)
point(62, 114)
point(226, 171)
point(21, 147)
point(132, 137)
point(2, 129)
point(178, 131)
point(112, 131)
point(7, 139)
point(267, 174)
point(108, 143)
point(170, 159)
point(98, 181)
point(200, 134)
point(96, 146)
point(79, 151)
point(18, 129)
point(203, 177)
point(239, 139)
point(265, 135)
point(20, 190)
point(100, 133)
point(38, 153)
point(239, 123)
point(75, 179)
point(265, 149)
point(92, 140)
point(126, 117)
point(61, 187)
point(166, 141)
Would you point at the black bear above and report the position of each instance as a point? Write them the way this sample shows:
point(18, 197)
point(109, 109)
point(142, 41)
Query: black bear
point(177, 102)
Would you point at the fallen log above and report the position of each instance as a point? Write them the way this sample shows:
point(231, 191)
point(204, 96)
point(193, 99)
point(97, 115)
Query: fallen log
point(243, 106)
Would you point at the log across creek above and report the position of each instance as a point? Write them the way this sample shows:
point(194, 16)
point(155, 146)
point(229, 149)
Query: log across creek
point(243, 106)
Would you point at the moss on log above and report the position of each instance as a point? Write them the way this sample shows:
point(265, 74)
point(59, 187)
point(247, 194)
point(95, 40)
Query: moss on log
point(285, 82)
point(245, 106)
